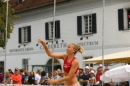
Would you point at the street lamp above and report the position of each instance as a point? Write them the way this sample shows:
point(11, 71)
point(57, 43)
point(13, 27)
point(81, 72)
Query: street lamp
point(103, 36)
point(53, 35)
point(6, 37)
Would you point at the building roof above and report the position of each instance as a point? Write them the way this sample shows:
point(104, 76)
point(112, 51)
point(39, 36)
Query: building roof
point(31, 4)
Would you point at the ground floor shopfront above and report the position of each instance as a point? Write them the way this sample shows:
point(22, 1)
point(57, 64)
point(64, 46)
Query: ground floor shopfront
point(32, 61)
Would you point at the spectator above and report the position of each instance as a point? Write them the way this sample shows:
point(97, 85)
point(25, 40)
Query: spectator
point(7, 76)
point(26, 77)
point(43, 80)
point(16, 77)
point(10, 71)
point(50, 75)
point(55, 75)
point(23, 75)
point(59, 71)
point(38, 77)
point(99, 72)
point(1, 77)
point(92, 79)
point(79, 75)
point(31, 78)
point(85, 77)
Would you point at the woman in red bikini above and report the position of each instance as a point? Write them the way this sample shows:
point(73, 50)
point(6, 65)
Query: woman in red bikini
point(70, 66)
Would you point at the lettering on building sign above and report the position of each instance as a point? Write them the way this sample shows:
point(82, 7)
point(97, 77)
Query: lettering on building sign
point(21, 49)
point(60, 45)
point(64, 45)
point(88, 43)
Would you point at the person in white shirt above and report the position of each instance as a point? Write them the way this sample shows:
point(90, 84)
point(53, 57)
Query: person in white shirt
point(92, 79)
point(38, 77)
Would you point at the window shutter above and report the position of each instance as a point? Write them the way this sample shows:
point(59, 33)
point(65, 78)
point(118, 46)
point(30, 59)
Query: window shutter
point(46, 31)
point(94, 25)
point(79, 25)
point(57, 29)
point(23, 61)
point(19, 34)
point(29, 33)
point(120, 19)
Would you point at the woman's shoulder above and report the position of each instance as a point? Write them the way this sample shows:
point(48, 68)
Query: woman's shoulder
point(75, 61)
point(65, 56)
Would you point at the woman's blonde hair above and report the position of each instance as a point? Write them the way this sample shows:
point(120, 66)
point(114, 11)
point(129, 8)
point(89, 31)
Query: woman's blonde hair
point(77, 48)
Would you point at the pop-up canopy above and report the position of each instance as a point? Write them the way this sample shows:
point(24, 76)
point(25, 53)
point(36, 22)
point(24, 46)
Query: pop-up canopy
point(120, 57)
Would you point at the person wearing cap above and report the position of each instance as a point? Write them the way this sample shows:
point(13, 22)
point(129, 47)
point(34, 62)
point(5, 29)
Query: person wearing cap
point(16, 77)
point(85, 77)
point(92, 79)
point(99, 72)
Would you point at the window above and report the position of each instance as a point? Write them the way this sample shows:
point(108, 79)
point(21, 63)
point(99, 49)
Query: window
point(88, 64)
point(20, 1)
point(86, 24)
point(128, 15)
point(124, 19)
point(2, 66)
point(2, 38)
point(49, 30)
point(25, 64)
point(25, 34)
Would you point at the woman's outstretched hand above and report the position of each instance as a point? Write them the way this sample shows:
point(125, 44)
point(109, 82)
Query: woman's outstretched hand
point(41, 41)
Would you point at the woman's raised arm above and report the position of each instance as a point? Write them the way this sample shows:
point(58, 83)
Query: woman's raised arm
point(49, 53)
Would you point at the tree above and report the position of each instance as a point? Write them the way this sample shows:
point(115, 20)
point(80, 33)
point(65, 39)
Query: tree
point(10, 25)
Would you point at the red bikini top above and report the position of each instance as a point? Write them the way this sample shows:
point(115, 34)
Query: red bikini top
point(67, 65)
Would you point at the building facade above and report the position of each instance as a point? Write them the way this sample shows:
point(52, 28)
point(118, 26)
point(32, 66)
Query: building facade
point(80, 22)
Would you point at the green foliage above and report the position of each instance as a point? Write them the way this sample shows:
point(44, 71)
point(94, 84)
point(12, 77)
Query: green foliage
point(10, 25)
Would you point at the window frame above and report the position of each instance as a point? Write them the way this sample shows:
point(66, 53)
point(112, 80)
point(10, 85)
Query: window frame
point(25, 66)
point(49, 30)
point(88, 64)
point(123, 19)
point(81, 27)
point(84, 25)
point(21, 34)
point(126, 22)
point(24, 36)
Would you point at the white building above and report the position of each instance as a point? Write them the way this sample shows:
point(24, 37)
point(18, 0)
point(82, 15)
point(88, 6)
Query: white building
point(78, 21)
